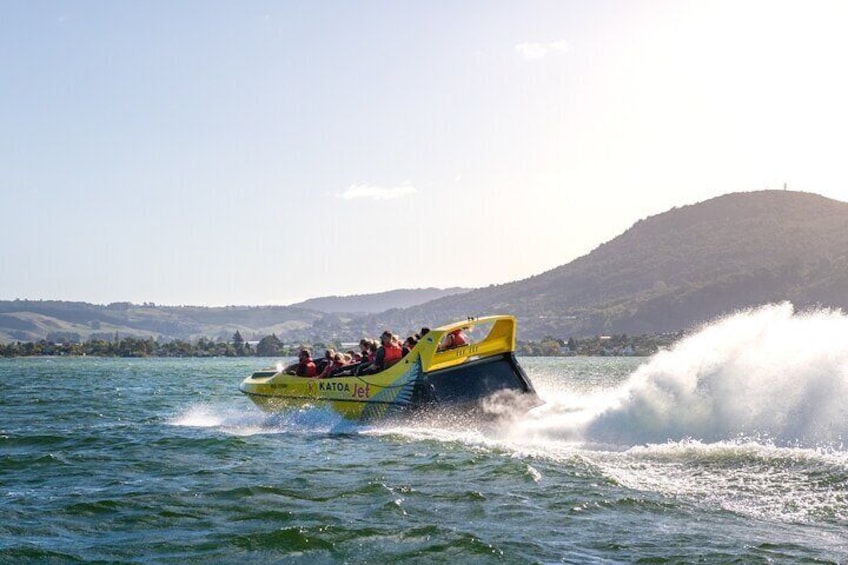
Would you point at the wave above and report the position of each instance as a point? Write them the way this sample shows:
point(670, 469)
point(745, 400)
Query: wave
point(247, 421)
point(769, 374)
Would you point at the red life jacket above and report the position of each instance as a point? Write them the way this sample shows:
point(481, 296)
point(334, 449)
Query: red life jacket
point(306, 369)
point(457, 339)
point(392, 354)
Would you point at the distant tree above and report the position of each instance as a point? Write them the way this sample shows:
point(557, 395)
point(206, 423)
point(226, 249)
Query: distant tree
point(136, 347)
point(63, 337)
point(238, 344)
point(269, 346)
point(550, 346)
point(224, 349)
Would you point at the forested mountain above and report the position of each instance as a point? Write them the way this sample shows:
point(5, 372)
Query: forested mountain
point(666, 273)
point(676, 269)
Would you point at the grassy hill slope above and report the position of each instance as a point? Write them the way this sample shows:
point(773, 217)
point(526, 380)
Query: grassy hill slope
point(32, 320)
point(378, 302)
point(677, 269)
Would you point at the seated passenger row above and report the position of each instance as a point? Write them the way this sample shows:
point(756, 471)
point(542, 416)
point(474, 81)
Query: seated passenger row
point(372, 357)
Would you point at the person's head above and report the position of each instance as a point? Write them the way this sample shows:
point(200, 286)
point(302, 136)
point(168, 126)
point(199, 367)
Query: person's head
point(329, 354)
point(363, 344)
point(410, 342)
point(424, 331)
point(386, 337)
point(304, 355)
point(338, 357)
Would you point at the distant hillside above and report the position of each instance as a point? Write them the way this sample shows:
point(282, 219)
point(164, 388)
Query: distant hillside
point(666, 273)
point(32, 320)
point(378, 302)
point(676, 269)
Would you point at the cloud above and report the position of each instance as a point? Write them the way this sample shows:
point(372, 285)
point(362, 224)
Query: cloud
point(377, 192)
point(536, 50)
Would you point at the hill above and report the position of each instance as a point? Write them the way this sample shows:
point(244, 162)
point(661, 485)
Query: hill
point(378, 302)
point(676, 269)
point(33, 320)
point(666, 273)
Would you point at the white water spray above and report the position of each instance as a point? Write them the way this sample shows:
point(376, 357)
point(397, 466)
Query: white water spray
point(767, 373)
point(247, 421)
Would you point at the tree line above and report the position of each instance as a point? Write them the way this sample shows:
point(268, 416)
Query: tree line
point(269, 346)
point(598, 346)
point(272, 346)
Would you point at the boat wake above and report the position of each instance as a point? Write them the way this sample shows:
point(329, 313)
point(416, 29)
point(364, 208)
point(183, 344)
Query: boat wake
point(249, 421)
point(768, 375)
point(748, 414)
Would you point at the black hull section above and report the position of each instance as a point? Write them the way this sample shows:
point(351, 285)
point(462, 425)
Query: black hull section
point(471, 382)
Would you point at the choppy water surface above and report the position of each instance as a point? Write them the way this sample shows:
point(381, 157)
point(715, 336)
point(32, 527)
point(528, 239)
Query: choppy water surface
point(728, 448)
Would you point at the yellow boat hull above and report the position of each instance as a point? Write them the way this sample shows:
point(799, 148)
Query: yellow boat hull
point(428, 376)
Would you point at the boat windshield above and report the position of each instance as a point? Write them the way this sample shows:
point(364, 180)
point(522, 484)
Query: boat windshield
point(473, 332)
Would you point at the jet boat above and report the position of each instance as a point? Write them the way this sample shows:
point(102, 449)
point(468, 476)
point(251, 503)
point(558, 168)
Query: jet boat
point(431, 376)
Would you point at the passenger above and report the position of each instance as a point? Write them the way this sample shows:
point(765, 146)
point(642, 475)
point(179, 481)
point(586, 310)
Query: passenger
point(391, 351)
point(339, 363)
point(373, 346)
point(368, 349)
point(304, 367)
point(329, 364)
point(454, 339)
point(409, 344)
point(387, 354)
point(352, 365)
point(424, 331)
point(322, 364)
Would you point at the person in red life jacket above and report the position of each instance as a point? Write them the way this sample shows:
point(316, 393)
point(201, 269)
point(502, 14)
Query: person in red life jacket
point(453, 339)
point(304, 367)
point(337, 366)
point(389, 352)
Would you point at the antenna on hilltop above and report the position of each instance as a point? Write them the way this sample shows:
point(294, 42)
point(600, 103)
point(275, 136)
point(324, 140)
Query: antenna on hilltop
point(784, 186)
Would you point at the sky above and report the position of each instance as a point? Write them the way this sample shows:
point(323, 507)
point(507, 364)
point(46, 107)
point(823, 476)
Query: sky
point(253, 152)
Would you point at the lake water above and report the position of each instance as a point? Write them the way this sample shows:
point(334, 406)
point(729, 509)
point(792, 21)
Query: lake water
point(727, 449)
